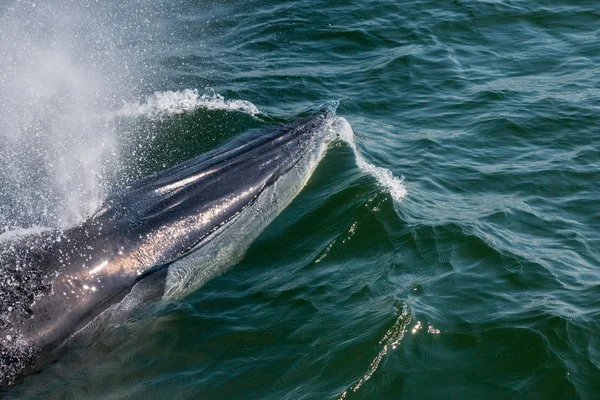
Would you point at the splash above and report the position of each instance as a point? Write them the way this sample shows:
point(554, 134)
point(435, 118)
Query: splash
point(395, 186)
point(167, 103)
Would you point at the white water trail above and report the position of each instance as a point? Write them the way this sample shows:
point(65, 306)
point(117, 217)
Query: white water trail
point(167, 103)
point(394, 185)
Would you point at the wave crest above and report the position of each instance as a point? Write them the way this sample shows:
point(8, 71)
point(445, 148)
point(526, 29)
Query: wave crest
point(394, 185)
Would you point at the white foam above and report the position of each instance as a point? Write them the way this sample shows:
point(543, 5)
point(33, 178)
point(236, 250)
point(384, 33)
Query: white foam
point(162, 104)
point(394, 185)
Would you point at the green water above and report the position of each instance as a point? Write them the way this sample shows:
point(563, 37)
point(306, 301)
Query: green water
point(482, 283)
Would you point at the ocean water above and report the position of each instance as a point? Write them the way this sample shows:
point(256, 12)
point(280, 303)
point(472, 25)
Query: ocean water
point(475, 277)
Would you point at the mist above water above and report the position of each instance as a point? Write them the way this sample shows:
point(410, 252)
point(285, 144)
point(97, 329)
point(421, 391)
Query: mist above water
point(62, 65)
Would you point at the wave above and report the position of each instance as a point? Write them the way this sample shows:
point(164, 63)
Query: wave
point(394, 185)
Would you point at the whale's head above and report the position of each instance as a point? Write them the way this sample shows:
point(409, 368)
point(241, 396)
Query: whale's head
point(176, 209)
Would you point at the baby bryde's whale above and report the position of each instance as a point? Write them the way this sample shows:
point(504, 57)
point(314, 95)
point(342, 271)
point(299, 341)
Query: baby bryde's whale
point(171, 231)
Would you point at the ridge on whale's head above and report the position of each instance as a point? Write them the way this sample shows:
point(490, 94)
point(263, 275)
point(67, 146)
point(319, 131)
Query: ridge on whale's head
point(55, 283)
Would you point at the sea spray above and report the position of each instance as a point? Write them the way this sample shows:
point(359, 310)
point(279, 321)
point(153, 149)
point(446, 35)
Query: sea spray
point(166, 103)
point(60, 67)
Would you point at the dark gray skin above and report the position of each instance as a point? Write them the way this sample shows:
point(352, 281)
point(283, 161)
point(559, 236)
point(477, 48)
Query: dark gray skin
point(54, 284)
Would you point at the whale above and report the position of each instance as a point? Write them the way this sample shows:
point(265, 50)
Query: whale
point(162, 236)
